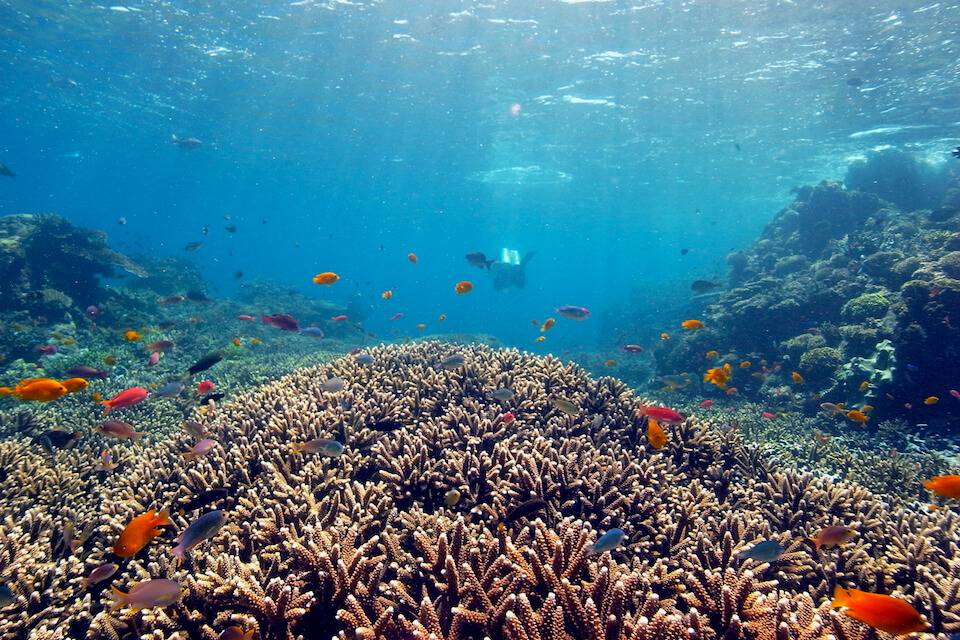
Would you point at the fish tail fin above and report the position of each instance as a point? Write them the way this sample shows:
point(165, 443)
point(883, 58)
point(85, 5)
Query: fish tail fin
point(119, 597)
point(178, 552)
point(816, 543)
point(6, 391)
point(489, 263)
point(841, 597)
point(107, 407)
point(84, 583)
point(188, 455)
point(296, 447)
point(163, 518)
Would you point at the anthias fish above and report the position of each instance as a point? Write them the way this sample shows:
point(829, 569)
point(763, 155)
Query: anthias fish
point(203, 528)
point(525, 510)
point(158, 592)
point(880, 611)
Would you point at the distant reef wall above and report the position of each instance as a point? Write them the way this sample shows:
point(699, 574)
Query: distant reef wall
point(855, 286)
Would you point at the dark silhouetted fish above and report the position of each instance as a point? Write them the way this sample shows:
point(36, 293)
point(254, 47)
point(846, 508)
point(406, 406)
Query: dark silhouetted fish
point(524, 510)
point(56, 439)
point(197, 296)
point(193, 246)
point(386, 425)
point(479, 259)
point(704, 286)
point(5, 171)
point(87, 373)
point(206, 362)
point(200, 500)
point(282, 321)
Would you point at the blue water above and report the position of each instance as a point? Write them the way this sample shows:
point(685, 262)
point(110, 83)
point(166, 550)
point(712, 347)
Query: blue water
point(341, 136)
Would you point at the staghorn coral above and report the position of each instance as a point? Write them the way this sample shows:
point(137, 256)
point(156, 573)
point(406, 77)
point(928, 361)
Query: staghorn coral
point(366, 546)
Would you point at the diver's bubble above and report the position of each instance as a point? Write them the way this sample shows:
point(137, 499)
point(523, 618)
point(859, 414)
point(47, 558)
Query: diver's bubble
point(529, 175)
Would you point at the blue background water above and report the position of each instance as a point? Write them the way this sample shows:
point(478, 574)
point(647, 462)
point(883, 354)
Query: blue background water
point(331, 130)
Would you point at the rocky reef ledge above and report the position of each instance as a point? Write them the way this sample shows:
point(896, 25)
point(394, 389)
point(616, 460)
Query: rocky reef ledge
point(370, 544)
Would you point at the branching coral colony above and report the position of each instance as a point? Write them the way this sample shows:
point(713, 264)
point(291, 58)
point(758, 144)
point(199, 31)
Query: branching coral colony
point(414, 530)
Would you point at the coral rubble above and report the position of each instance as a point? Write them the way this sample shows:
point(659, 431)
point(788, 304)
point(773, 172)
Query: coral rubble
point(369, 545)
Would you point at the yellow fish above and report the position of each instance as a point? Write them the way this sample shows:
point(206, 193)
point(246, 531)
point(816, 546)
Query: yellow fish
point(931, 400)
point(711, 354)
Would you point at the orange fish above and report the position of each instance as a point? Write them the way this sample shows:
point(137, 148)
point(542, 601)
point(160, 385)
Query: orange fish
point(236, 342)
point(255, 341)
point(692, 324)
point(132, 336)
point(609, 362)
point(946, 486)
point(732, 391)
point(746, 364)
point(664, 336)
point(464, 286)
point(857, 416)
point(139, 532)
point(386, 295)
point(36, 390)
point(412, 257)
point(535, 323)
point(796, 377)
point(547, 325)
point(656, 436)
point(832, 535)
point(75, 384)
point(327, 277)
point(109, 360)
point(882, 612)
point(931, 400)
point(96, 396)
point(719, 375)
point(710, 355)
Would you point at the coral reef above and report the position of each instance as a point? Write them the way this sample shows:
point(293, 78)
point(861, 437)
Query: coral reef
point(838, 272)
point(369, 545)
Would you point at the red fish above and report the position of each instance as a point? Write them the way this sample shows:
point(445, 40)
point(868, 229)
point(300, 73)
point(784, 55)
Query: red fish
point(768, 415)
point(127, 398)
point(340, 318)
point(662, 414)
point(282, 321)
point(45, 349)
point(706, 404)
point(246, 317)
point(507, 418)
point(205, 386)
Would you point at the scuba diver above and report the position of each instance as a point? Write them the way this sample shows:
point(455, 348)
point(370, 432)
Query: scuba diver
point(509, 271)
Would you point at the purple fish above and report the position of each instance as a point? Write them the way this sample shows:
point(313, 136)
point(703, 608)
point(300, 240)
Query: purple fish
point(572, 312)
point(118, 429)
point(93, 311)
point(46, 349)
point(101, 573)
point(87, 373)
point(282, 321)
point(148, 594)
point(202, 448)
point(203, 528)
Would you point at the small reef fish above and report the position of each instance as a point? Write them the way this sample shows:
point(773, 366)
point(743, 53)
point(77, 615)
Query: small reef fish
point(237, 342)
point(796, 377)
point(731, 391)
point(203, 528)
point(119, 429)
point(719, 376)
point(236, 633)
point(661, 414)
point(139, 532)
point(101, 573)
point(412, 257)
point(704, 286)
point(57, 439)
point(563, 405)
point(132, 336)
point(205, 386)
point(766, 551)
point(746, 364)
point(339, 318)
point(451, 498)
point(186, 143)
point(507, 418)
point(312, 332)
point(396, 316)
point(525, 510)
point(706, 404)
point(161, 345)
point(573, 312)
point(7, 596)
point(712, 354)
point(246, 317)
point(172, 299)
point(206, 362)
point(541, 338)
point(363, 358)
point(503, 395)
point(769, 415)
point(323, 446)
point(442, 317)
point(169, 389)
point(857, 416)
point(200, 449)
point(931, 400)
point(864, 386)
point(832, 535)
point(945, 486)
point(147, 595)
point(453, 362)
point(334, 384)
point(36, 390)
point(89, 373)
point(385, 426)
point(831, 409)
point(204, 499)
point(692, 324)
point(478, 259)
point(656, 436)
point(154, 358)
point(664, 336)
point(127, 398)
point(421, 326)
point(879, 611)
point(608, 541)
point(632, 348)
point(547, 325)
point(282, 321)
point(46, 349)
point(325, 278)
point(954, 393)
point(386, 295)
point(75, 384)
point(464, 286)
point(105, 461)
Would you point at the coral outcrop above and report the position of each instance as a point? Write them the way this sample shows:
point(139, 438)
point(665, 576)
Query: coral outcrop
point(370, 544)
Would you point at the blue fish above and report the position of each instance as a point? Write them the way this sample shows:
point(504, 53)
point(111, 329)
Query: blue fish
point(766, 551)
point(363, 358)
point(204, 527)
point(313, 332)
point(608, 541)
